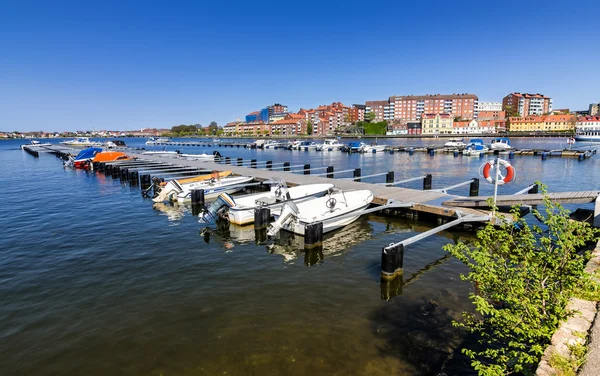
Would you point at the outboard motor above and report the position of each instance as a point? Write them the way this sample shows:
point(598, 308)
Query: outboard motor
point(289, 211)
point(211, 213)
point(281, 191)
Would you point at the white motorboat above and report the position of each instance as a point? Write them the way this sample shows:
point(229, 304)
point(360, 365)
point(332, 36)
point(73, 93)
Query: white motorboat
point(330, 144)
point(475, 148)
point(157, 140)
point(373, 148)
point(216, 140)
point(272, 144)
point(79, 142)
point(33, 144)
point(500, 143)
point(197, 157)
point(293, 144)
point(335, 210)
point(161, 152)
point(455, 143)
point(242, 212)
point(214, 187)
point(306, 146)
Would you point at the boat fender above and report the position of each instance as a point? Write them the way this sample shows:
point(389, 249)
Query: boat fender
point(510, 172)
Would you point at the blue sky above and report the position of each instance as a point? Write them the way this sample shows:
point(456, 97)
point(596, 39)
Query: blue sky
point(69, 65)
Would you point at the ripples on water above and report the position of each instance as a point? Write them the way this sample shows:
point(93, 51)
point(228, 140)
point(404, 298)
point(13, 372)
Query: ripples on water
point(96, 280)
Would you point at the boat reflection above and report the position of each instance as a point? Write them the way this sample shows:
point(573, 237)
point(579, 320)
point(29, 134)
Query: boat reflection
point(291, 246)
point(172, 210)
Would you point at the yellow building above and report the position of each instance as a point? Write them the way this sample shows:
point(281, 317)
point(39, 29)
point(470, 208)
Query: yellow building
point(545, 123)
point(436, 124)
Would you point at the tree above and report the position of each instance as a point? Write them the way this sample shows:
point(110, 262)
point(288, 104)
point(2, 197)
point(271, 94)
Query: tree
point(370, 116)
point(523, 276)
point(309, 128)
point(213, 127)
point(510, 112)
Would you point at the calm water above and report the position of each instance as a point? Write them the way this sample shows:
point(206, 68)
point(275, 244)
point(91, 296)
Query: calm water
point(95, 280)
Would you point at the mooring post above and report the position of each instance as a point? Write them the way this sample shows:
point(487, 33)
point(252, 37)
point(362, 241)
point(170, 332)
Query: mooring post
point(286, 166)
point(101, 166)
point(496, 152)
point(108, 170)
point(262, 216)
point(511, 154)
point(474, 188)
point(307, 169)
point(533, 190)
point(227, 160)
point(391, 151)
point(389, 178)
point(145, 182)
point(392, 261)
point(357, 174)
point(115, 172)
point(581, 157)
point(544, 156)
point(431, 152)
point(330, 172)
point(313, 235)
point(411, 151)
point(197, 196)
point(391, 288)
point(253, 163)
point(239, 161)
point(427, 182)
point(269, 165)
point(95, 165)
point(455, 153)
point(124, 174)
point(133, 178)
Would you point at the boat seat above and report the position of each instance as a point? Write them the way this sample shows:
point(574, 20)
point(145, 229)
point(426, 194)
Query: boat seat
point(266, 200)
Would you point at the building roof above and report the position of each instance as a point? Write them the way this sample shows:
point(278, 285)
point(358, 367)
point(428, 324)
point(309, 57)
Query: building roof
point(589, 118)
point(528, 95)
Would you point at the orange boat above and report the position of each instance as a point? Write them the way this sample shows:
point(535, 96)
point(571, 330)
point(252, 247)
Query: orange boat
point(109, 156)
point(213, 175)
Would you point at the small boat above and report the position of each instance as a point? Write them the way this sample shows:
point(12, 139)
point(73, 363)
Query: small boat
point(373, 148)
point(500, 143)
point(355, 147)
point(157, 140)
point(213, 188)
point(242, 211)
point(216, 140)
point(475, 148)
point(330, 144)
point(306, 146)
point(272, 144)
point(33, 144)
point(79, 142)
point(455, 143)
point(162, 152)
point(175, 186)
point(292, 145)
point(587, 134)
point(83, 159)
point(109, 156)
point(198, 157)
point(335, 210)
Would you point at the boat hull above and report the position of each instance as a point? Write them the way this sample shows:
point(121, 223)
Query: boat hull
point(587, 138)
point(244, 214)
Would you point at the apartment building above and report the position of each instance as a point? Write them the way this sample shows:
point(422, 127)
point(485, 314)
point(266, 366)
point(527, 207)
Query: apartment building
point(594, 109)
point(527, 104)
point(376, 107)
point(439, 123)
point(491, 115)
point(544, 123)
point(292, 125)
point(412, 107)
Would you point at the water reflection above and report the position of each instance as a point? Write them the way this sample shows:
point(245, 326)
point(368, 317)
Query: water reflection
point(172, 210)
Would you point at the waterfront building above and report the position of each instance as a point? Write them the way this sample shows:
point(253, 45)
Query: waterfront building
point(292, 125)
point(253, 129)
point(413, 127)
point(492, 126)
point(465, 127)
point(588, 124)
point(396, 128)
point(491, 115)
point(544, 123)
point(527, 104)
point(412, 107)
point(594, 109)
point(437, 123)
point(489, 106)
point(376, 107)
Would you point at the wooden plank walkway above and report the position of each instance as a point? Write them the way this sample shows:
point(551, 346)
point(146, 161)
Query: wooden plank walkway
point(581, 197)
point(423, 201)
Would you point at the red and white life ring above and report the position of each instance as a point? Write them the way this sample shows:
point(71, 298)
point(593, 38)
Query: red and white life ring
point(571, 140)
point(510, 172)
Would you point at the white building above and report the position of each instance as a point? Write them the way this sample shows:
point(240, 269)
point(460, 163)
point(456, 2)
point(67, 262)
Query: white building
point(489, 106)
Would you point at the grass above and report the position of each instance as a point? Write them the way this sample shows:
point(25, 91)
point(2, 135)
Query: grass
point(569, 366)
